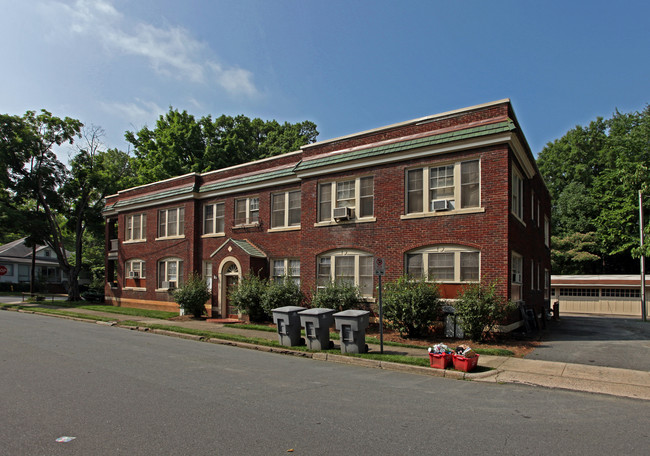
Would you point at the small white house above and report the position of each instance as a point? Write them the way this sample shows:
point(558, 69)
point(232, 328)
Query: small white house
point(16, 265)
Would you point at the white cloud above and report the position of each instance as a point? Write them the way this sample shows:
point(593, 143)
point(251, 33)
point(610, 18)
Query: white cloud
point(134, 112)
point(171, 51)
point(235, 80)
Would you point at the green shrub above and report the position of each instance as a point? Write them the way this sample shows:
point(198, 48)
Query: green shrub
point(411, 306)
point(281, 293)
point(192, 295)
point(338, 296)
point(247, 297)
point(480, 308)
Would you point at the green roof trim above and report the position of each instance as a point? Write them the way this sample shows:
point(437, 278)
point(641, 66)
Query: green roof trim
point(466, 133)
point(249, 248)
point(243, 244)
point(258, 177)
point(155, 196)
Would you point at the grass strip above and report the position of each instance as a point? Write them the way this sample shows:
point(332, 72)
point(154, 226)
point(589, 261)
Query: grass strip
point(130, 311)
point(67, 313)
point(209, 334)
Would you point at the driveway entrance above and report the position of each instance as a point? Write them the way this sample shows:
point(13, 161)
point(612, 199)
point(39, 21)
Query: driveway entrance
point(598, 341)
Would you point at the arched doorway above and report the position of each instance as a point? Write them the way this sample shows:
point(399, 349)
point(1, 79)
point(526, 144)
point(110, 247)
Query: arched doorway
point(229, 275)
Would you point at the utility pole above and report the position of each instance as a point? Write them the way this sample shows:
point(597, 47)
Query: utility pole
point(643, 303)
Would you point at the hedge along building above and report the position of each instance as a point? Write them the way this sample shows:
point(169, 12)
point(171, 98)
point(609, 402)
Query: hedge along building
point(456, 197)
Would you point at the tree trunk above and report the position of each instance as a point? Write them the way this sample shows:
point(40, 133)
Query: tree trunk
point(73, 288)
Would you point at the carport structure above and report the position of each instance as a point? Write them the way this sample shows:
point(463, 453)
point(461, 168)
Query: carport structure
point(617, 294)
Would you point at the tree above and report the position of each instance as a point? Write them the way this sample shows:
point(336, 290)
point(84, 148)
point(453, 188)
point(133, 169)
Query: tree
point(338, 295)
point(58, 202)
point(480, 308)
point(594, 174)
point(247, 296)
point(181, 144)
point(411, 306)
point(280, 293)
point(192, 295)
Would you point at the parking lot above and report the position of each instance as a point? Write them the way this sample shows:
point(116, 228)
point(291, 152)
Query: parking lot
point(598, 341)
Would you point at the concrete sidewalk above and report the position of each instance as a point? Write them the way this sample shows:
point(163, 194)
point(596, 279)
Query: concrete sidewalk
point(576, 377)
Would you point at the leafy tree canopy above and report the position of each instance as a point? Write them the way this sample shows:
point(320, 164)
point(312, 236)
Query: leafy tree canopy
point(181, 144)
point(50, 202)
point(594, 174)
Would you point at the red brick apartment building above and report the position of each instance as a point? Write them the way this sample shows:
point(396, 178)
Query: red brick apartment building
point(456, 197)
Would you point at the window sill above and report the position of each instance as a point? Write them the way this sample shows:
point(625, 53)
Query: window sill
point(163, 290)
point(213, 235)
point(134, 241)
point(347, 222)
point(518, 218)
point(416, 215)
point(283, 228)
point(167, 238)
point(246, 225)
point(134, 289)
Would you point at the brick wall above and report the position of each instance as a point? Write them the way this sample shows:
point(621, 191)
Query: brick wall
point(494, 230)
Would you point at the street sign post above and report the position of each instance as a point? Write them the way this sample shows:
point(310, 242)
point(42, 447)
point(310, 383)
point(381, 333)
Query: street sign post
point(380, 270)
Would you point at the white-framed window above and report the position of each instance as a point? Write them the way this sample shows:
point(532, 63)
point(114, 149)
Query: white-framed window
point(444, 263)
point(346, 266)
point(516, 276)
point(171, 222)
point(207, 273)
point(533, 212)
point(547, 284)
point(517, 207)
point(445, 187)
point(214, 218)
point(49, 274)
point(23, 273)
point(356, 194)
point(286, 267)
point(247, 211)
point(170, 273)
point(547, 232)
point(136, 227)
point(285, 209)
point(135, 269)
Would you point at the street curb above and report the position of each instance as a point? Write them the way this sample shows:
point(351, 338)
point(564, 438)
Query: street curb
point(320, 356)
point(574, 382)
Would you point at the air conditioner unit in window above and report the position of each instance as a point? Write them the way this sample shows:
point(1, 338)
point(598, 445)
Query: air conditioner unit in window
point(440, 205)
point(342, 213)
point(516, 277)
point(134, 274)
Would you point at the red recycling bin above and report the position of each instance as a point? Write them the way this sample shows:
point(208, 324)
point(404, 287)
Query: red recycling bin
point(440, 361)
point(465, 364)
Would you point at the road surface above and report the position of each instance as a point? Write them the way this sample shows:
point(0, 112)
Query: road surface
point(121, 392)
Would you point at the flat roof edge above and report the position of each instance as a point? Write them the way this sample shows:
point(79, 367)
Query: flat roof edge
point(409, 122)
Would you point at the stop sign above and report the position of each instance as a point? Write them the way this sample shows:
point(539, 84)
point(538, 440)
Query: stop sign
point(3, 270)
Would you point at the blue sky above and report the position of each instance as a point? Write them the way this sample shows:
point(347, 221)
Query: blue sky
point(346, 65)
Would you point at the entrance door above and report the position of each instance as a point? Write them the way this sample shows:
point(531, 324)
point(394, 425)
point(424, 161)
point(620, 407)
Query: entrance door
point(231, 280)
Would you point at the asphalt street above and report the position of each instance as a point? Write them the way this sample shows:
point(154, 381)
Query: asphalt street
point(598, 341)
point(125, 392)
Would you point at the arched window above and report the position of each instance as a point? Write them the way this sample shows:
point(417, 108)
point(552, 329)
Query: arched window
point(135, 269)
point(444, 263)
point(170, 272)
point(346, 266)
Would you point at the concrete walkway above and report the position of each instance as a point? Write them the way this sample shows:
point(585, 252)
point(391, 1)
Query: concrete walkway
point(496, 369)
